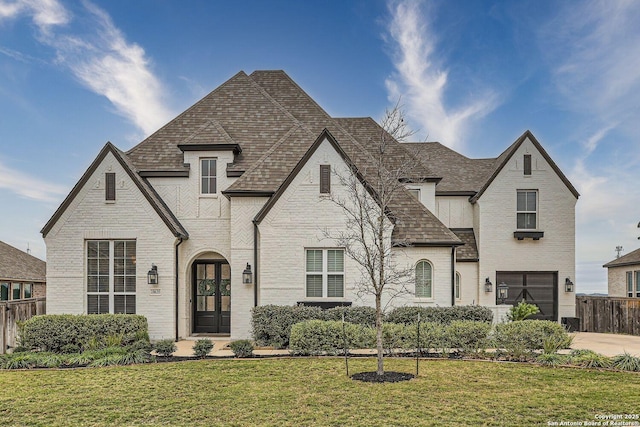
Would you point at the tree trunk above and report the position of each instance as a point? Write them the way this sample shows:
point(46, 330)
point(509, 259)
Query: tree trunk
point(379, 347)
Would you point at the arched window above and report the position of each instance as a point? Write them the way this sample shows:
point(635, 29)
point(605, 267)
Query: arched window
point(457, 285)
point(424, 273)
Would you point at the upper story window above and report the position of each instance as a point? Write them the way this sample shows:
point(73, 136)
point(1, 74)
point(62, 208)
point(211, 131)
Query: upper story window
point(325, 273)
point(527, 164)
point(424, 274)
point(208, 176)
point(325, 179)
point(415, 192)
point(527, 209)
point(110, 186)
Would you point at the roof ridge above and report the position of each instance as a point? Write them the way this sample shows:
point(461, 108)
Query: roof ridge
point(193, 106)
point(218, 126)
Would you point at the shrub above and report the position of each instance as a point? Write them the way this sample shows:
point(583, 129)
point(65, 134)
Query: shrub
point(51, 332)
point(445, 315)
point(468, 336)
point(69, 349)
point(271, 324)
point(165, 347)
point(359, 315)
point(522, 311)
point(589, 359)
point(326, 337)
point(626, 362)
point(551, 359)
point(519, 339)
point(202, 348)
point(242, 348)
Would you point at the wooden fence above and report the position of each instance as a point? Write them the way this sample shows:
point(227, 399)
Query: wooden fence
point(12, 312)
point(609, 314)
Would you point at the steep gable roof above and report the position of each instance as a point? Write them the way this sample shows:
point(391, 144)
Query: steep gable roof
point(632, 258)
point(504, 158)
point(143, 185)
point(18, 265)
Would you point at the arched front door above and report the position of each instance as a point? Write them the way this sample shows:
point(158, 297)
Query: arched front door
point(211, 283)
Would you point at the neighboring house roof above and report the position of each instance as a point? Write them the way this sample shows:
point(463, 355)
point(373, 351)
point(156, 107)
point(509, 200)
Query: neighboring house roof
point(632, 258)
point(469, 251)
point(143, 185)
point(18, 265)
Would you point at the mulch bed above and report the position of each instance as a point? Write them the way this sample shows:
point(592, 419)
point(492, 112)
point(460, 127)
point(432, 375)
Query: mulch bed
point(387, 377)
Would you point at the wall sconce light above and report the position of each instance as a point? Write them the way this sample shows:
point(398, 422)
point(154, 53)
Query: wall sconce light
point(488, 286)
point(568, 285)
point(503, 292)
point(247, 275)
point(152, 275)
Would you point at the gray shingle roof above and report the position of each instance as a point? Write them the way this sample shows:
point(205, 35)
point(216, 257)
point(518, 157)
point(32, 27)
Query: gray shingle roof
point(459, 174)
point(18, 265)
point(469, 251)
point(629, 259)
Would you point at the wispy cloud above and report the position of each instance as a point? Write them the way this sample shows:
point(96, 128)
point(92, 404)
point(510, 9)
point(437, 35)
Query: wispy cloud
point(100, 57)
point(421, 81)
point(29, 187)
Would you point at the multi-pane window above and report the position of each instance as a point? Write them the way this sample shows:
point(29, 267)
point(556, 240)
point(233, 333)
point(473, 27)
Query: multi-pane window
point(208, 176)
point(325, 273)
point(527, 209)
point(15, 291)
point(630, 287)
point(424, 273)
point(111, 276)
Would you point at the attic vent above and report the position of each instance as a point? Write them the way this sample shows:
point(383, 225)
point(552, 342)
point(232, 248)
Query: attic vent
point(325, 179)
point(110, 187)
point(527, 164)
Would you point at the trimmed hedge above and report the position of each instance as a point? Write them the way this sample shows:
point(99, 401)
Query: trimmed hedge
point(272, 324)
point(326, 336)
point(445, 315)
point(521, 338)
point(59, 333)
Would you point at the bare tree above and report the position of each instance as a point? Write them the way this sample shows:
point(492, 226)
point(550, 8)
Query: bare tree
point(372, 190)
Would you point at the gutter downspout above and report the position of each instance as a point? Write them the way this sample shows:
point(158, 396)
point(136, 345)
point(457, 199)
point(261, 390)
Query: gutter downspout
point(255, 263)
point(180, 240)
point(453, 275)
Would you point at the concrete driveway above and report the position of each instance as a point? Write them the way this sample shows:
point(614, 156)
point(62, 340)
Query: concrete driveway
point(607, 344)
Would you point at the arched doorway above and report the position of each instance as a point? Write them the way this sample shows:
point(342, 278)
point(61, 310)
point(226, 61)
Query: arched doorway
point(211, 288)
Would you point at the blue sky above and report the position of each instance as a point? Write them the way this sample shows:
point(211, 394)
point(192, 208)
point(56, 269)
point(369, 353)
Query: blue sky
point(471, 74)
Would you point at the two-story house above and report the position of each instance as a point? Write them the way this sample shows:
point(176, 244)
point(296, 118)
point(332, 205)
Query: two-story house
point(225, 208)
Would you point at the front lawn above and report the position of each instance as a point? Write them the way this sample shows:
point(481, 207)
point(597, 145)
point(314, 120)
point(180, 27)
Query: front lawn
point(313, 391)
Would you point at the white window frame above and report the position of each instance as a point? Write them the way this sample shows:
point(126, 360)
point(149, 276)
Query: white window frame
point(111, 293)
point(411, 190)
point(325, 273)
point(629, 282)
point(202, 176)
point(458, 286)
point(525, 211)
point(430, 284)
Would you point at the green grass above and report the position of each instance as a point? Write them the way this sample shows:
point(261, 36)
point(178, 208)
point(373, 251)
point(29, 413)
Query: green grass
point(313, 391)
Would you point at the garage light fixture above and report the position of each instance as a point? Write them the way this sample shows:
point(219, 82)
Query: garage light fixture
point(488, 286)
point(503, 292)
point(247, 275)
point(568, 285)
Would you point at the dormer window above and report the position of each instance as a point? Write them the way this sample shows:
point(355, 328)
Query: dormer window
point(110, 186)
point(527, 164)
point(208, 176)
point(325, 179)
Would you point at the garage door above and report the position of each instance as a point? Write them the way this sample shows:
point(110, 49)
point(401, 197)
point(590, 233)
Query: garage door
point(539, 288)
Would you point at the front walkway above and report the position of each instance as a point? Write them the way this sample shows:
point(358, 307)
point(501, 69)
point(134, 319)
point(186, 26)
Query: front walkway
point(606, 344)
